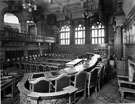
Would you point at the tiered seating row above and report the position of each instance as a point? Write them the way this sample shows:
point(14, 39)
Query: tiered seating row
point(51, 57)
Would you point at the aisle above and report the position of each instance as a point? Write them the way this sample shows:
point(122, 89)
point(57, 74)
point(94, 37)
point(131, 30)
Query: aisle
point(108, 94)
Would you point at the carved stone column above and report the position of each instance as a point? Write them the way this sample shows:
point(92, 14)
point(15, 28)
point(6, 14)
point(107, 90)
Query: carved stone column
point(118, 37)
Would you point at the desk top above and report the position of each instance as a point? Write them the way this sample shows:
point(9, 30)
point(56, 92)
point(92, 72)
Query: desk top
point(58, 60)
point(74, 62)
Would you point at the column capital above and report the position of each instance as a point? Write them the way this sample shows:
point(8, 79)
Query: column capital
point(119, 20)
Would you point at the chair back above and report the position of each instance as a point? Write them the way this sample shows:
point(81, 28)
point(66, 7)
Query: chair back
point(47, 68)
point(61, 82)
point(102, 71)
point(101, 75)
point(41, 85)
point(93, 76)
point(40, 68)
point(33, 67)
point(22, 66)
point(80, 80)
point(28, 67)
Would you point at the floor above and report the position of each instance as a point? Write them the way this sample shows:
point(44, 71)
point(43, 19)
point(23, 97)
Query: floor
point(108, 94)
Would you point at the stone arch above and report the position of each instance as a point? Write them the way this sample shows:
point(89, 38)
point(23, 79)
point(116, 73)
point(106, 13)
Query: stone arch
point(17, 14)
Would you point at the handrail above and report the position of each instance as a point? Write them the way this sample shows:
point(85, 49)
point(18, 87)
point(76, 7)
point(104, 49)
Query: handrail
point(12, 34)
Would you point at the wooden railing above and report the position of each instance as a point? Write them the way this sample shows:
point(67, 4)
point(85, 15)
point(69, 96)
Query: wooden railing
point(9, 34)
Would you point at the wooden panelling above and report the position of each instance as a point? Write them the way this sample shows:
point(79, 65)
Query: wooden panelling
point(33, 52)
point(82, 49)
point(14, 54)
point(129, 51)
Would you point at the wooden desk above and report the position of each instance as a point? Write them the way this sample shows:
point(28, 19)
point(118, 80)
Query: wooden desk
point(27, 96)
point(68, 70)
point(9, 89)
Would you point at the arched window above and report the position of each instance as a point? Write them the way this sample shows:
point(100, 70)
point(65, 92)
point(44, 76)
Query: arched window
point(65, 35)
point(98, 33)
point(80, 34)
point(11, 20)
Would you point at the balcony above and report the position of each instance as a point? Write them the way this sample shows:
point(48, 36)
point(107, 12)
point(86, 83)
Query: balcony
point(9, 34)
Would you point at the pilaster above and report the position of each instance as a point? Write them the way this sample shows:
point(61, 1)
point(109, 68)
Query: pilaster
point(118, 37)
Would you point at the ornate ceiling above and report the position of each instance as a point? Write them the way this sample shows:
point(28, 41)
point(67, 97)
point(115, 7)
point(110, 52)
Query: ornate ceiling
point(63, 7)
point(58, 6)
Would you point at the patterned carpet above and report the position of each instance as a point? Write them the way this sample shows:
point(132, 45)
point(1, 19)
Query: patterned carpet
point(108, 94)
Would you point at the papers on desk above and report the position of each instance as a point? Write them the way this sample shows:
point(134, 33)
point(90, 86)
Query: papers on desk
point(70, 70)
point(74, 62)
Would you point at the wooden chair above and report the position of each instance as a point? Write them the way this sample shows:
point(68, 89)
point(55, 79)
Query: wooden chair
point(126, 88)
point(41, 85)
point(22, 65)
point(47, 68)
point(40, 68)
point(53, 68)
point(18, 63)
point(28, 67)
point(8, 63)
point(92, 80)
point(101, 75)
point(13, 62)
point(61, 82)
point(26, 58)
point(80, 83)
point(34, 68)
point(22, 59)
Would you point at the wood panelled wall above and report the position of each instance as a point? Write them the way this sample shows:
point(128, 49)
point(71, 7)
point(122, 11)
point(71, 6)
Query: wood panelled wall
point(129, 31)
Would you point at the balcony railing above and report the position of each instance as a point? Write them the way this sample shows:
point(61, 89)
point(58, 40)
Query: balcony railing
point(9, 34)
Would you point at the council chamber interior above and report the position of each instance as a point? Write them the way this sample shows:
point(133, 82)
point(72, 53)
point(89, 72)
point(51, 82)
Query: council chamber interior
point(67, 51)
